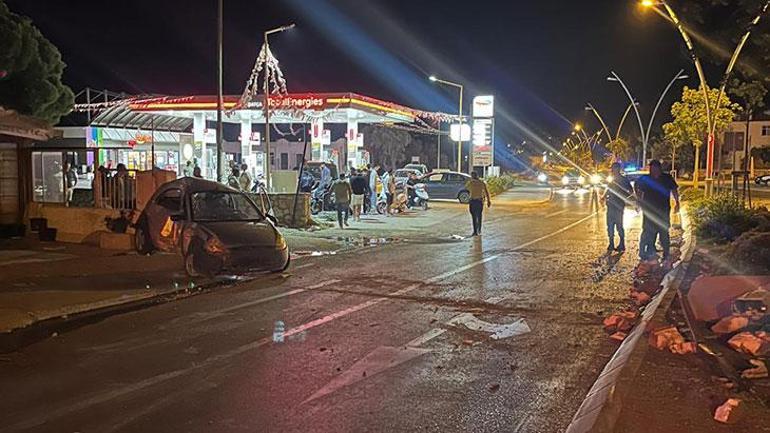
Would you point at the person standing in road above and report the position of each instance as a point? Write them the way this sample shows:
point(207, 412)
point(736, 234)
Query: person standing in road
point(653, 192)
point(326, 176)
point(245, 178)
point(617, 194)
point(358, 186)
point(390, 192)
point(478, 192)
point(374, 177)
point(342, 194)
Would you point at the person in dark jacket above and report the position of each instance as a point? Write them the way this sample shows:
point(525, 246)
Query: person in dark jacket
point(358, 184)
point(617, 194)
point(654, 192)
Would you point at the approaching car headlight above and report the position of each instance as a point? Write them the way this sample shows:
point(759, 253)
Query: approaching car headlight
point(542, 177)
point(610, 179)
point(581, 180)
point(596, 179)
point(565, 180)
point(215, 246)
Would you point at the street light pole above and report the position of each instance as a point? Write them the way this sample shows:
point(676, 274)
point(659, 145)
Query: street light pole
point(266, 101)
point(645, 132)
point(590, 107)
point(711, 117)
point(220, 96)
point(460, 111)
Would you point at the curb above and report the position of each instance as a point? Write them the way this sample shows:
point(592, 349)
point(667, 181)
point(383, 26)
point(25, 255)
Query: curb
point(40, 330)
point(601, 407)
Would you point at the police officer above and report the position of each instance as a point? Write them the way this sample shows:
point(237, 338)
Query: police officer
point(616, 196)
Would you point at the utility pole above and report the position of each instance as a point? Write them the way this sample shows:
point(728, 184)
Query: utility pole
point(220, 96)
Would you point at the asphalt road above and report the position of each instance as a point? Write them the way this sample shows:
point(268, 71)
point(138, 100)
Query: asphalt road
point(377, 339)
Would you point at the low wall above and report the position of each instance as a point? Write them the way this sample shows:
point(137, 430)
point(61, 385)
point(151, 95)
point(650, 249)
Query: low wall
point(283, 208)
point(73, 224)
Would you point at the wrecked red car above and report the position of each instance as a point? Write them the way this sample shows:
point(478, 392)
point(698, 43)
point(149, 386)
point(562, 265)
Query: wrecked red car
point(214, 227)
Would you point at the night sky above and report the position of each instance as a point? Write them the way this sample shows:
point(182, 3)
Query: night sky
point(543, 60)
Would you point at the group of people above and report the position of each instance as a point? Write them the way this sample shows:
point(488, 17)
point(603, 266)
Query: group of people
point(359, 191)
point(652, 193)
point(191, 169)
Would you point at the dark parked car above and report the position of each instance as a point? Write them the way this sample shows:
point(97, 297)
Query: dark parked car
point(212, 226)
point(447, 185)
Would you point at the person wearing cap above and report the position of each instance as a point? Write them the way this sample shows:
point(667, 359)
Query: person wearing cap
point(653, 193)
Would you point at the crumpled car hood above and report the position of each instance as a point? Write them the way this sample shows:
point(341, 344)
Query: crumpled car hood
point(235, 234)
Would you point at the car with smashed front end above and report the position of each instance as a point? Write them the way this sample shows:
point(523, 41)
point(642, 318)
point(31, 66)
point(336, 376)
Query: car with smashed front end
point(213, 227)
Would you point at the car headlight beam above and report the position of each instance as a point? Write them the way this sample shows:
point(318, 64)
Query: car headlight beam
point(565, 180)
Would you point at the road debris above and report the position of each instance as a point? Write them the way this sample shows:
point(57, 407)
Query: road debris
point(666, 338)
point(619, 336)
point(759, 371)
point(497, 331)
point(722, 414)
point(753, 344)
point(730, 324)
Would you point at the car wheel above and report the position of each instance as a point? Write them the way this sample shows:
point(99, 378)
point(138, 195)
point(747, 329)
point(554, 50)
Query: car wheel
point(142, 242)
point(464, 197)
point(198, 263)
point(285, 267)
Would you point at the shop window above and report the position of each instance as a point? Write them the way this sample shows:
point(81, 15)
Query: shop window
point(284, 161)
point(47, 177)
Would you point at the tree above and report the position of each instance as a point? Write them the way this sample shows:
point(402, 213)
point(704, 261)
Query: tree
point(620, 149)
point(690, 124)
point(30, 70)
point(387, 145)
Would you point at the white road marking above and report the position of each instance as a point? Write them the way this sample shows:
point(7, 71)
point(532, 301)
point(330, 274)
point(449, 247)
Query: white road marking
point(426, 337)
point(218, 313)
point(101, 398)
point(376, 361)
point(556, 213)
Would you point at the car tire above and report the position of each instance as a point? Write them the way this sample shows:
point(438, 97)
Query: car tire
point(142, 241)
point(464, 197)
point(285, 267)
point(192, 265)
point(382, 207)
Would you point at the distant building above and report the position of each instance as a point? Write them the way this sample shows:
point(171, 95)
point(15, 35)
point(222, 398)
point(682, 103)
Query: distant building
point(734, 140)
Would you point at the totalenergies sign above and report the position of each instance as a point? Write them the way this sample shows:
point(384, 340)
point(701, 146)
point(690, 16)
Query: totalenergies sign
point(304, 102)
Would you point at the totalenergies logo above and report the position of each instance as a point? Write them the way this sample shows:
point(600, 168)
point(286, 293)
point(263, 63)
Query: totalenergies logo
point(294, 102)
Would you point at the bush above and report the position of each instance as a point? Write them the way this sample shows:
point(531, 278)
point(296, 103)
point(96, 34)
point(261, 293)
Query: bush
point(691, 194)
point(720, 218)
point(498, 184)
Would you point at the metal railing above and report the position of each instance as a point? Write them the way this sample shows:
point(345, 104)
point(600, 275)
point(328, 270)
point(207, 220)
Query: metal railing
point(115, 189)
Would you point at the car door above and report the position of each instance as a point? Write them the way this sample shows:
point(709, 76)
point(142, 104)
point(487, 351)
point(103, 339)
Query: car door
point(434, 185)
point(164, 218)
point(455, 183)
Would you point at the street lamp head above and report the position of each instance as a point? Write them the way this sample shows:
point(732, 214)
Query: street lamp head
point(683, 77)
point(578, 127)
point(433, 78)
point(648, 3)
point(612, 78)
point(288, 27)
